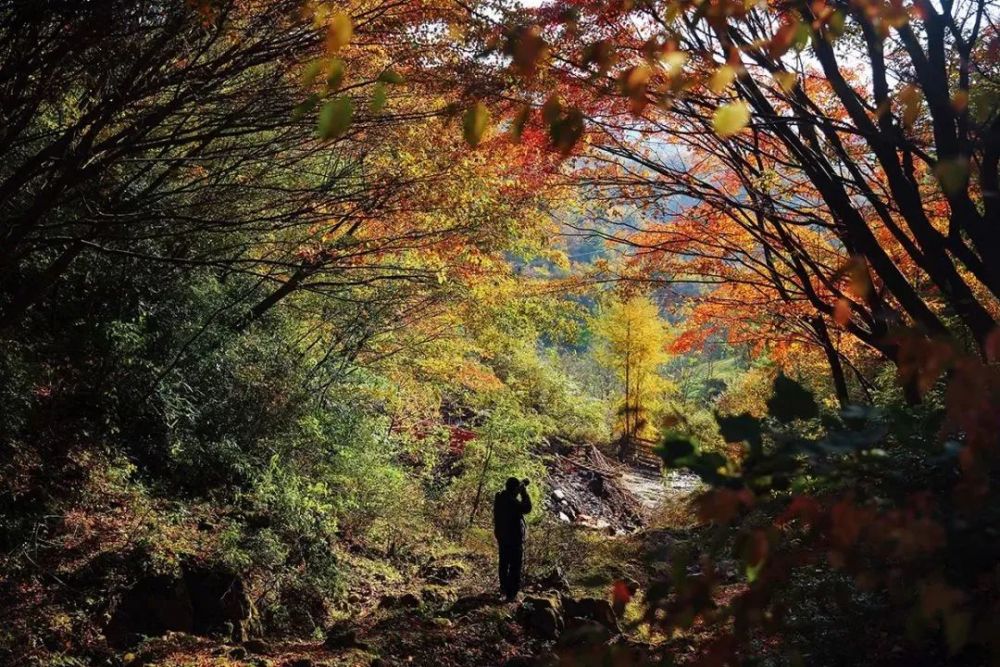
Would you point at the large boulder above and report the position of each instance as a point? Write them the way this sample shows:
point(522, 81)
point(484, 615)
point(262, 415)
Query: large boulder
point(221, 604)
point(153, 607)
point(542, 615)
point(200, 601)
point(593, 609)
point(341, 636)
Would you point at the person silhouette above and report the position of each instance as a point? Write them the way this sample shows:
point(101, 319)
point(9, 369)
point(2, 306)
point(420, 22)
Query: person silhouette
point(509, 528)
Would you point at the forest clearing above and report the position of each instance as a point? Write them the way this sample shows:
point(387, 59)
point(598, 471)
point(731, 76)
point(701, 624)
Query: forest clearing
point(499, 333)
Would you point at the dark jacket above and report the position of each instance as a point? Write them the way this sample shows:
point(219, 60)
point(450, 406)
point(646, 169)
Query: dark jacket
point(508, 515)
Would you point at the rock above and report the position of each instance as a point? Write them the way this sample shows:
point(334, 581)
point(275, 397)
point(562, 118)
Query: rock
point(584, 632)
point(556, 580)
point(220, 602)
point(257, 646)
point(302, 610)
point(151, 608)
point(545, 623)
point(341, 636)
point(559, 494)
point(595, 610)
point(442, 574)
point(542, 615)
point(596, 486)
point(464, 605)
point(564, 517)
point(435, 596)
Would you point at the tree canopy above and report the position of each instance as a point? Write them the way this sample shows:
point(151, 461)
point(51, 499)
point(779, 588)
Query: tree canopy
point(289, 288)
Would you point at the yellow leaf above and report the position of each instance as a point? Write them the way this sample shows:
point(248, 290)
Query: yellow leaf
point(911, 98)
point(674, 62)
point(721, 79)
point(474, 123)
point(634, 81)
point(731, 118)
point(340, 30)
point(786, 80)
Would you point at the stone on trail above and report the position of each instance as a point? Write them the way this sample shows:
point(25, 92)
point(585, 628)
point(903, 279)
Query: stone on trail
point(564, 517)
point(257, 646)
point(542, 615)
point(555, 580)
point(442, 574)
point(581, 632)
point(341, 636)
point(464, 605)
point(436, 596)
point(593, 609)
point(559, 494)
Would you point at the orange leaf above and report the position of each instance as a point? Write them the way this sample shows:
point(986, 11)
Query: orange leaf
point(842, 312)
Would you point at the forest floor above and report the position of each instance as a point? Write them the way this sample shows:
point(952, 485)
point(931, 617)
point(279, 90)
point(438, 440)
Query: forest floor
point(449, 613)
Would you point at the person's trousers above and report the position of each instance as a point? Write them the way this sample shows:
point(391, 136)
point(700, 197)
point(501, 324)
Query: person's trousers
point(511, 552)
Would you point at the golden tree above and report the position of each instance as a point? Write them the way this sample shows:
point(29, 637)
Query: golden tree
point(631, 341)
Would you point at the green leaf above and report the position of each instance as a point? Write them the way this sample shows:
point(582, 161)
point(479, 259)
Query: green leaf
point(335, 117)
point(305, 106)
point(336, 76)
point(379, 98)
point(391, 76)
point(311, 71)
point(790, 401)
point(474, 123)
point(953, 175)
point(675, 448)
point(706, 466)
point(742, 427)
